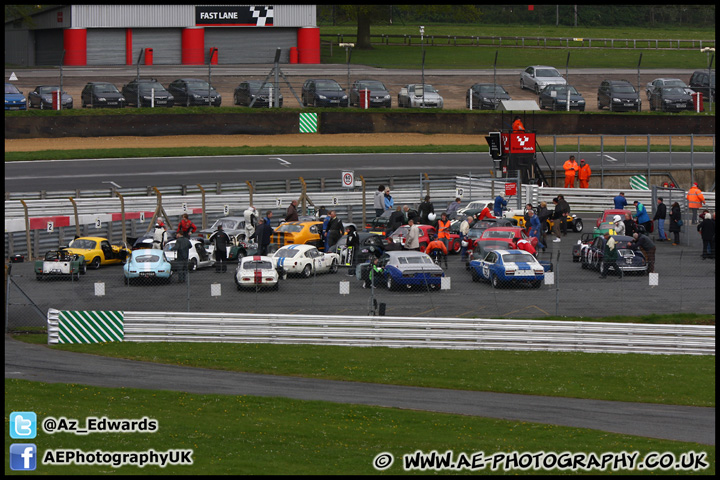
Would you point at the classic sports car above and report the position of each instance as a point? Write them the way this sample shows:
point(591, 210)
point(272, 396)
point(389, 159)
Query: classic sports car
point(288, 233)
point(60, 263)
point(406, 269)
point(147, 264)
point(506, 267)
point(198, 257)
point(231, 226)
point(98, 251)
point(506, 234)
point(480, 226)
point(607, 215)
point(397, 239)
point(574, 222)
point(256, 272)
point(305, 260)
point(370, 246)
point(629, 260)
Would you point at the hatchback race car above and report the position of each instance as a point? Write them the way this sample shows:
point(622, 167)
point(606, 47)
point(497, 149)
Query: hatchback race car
point(60, 263)
point(199, 255)
point(305, 260)
point(147, 264)
point(257, 272)
point(98, 251)
point(405, 269)
point(507, 267)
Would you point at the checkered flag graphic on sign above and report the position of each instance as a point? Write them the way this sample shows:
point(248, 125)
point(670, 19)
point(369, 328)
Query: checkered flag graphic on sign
point(262, 15)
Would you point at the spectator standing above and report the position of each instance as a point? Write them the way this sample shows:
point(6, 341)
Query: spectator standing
point(186, 226)
point(571, 167)
point(620, 201)
point(324, 231)
point(642, 216)
point(397, 218)
point(660, 216)
point(263, 233)
point(425, 209)
point(610, 257)
point(648, 249)
point(159, 236)
point(543, 215)
point(444, 229)
point(498, 206)
point(584, 174)
point(268, 217)
point(388, 202)
point(464, 229)
point(695, 200)
point(335, 230)
point(557, 218)
point(565, 209)
point(291, 214)
point(379, 201)
point(182, 246)
point(706, 228)
point(412, 241)
point(453, 207)
point(534, 224)
point(485, 213)
point(222, 241)
point(675, 222)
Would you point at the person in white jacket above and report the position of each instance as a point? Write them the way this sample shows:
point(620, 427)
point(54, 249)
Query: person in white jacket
point(412, 242)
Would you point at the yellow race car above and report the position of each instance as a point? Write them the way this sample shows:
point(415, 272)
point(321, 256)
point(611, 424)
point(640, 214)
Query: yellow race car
point(98, 251)
point(293, 233)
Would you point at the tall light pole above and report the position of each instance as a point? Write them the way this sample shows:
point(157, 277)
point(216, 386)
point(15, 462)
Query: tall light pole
point(422, 46)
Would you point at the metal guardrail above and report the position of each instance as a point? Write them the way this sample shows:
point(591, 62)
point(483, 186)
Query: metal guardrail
point(446, 333)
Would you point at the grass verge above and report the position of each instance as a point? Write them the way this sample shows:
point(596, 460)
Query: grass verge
point(253, 435)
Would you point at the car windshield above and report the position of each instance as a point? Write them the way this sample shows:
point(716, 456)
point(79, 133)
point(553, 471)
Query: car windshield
point(418, 89)
point(517, 257)
point(562, 89)
point(226, 224)
point(328, 85)
point(373, 85)
point(255, 87)
point(48, 90)
point(498, 234)
point(488, 89)
point(623, 89)
point(10, 88)
point(416, 260)
point(146, 87)
point(198, 85)
point(289, 228)
point(83, 244)
point(674, 83)
point(546, 72)
point(257, 265)
point(673, 91)
point(106, 88)
point(147, 258)
point(287, 253)
point(400, 232)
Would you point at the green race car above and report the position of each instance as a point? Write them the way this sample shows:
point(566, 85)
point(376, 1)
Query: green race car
point(59, 263)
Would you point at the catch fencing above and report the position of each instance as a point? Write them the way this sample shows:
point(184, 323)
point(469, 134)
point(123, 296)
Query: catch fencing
point(446, 333)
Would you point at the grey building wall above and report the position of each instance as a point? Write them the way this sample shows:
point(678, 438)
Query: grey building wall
point(249, 45)
point(165, 42)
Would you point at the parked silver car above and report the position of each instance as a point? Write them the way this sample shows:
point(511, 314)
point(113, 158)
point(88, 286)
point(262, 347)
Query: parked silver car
point(540, 76)
point(415, 96)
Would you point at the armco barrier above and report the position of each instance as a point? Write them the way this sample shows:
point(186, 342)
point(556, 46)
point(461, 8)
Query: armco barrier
point(447, 333)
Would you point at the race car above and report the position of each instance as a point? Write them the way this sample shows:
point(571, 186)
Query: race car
point(147, 264)
point(296, 233)
point(305, 260)
point(507, 267)
point(405, 269)
point(370, 246)
point(98, 251)
point(60, 263)
point(629, 260)
point(199, 255)
point(256, 272)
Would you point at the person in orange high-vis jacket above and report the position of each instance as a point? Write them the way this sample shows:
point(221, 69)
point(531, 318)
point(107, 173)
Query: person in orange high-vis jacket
point(517, 125)
point(584, 174)
point(444, 230)
point(570, 167)
point(695, 200)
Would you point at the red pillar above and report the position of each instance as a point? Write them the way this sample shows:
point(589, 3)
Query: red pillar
point(193, 46)
point(128, 46)
point(75, 45)
point(308, 45)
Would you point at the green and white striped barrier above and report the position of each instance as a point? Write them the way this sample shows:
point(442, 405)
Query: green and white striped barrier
point(90, 326)
point(639, 182)
point(308, 123)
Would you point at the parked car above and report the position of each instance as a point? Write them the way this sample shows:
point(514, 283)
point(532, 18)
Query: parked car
point(147, 264)
point(629, 260)
point(256, 272)
point(486, 96)
point(60, 263)
point(198, 256)
point(379, 95)
point(412, 96)
point(669, 99)
point(555, 97)
point(703, 82)
point(101, 94)
point(231, 225)
point(42, 97)
point(98, 251)
point(149, 91)
point(305, 260)
point(370, 246)
point(14, 98)
point(502, 268)
point(405, 269)
point(396, 240)
point(539, 76)
point(618, 96)
point(194, 92)
point(324, 93)
point(250, 90)
point(296, 233)
point(666, 82)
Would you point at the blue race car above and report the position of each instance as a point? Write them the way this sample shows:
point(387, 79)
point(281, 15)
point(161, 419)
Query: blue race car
point(148, 264)
point(406, 268)
point(507, 267)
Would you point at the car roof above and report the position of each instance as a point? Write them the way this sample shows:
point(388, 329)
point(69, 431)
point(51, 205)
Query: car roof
point(405, 253)
point(543, 66)
point(513, 252)
point(146, 250)
point(97, 239)
point(297, 246)
point(618, 82)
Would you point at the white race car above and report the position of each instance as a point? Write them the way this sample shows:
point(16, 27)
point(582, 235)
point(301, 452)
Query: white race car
point(256, 271)
point(200, 254)
point(305, 259)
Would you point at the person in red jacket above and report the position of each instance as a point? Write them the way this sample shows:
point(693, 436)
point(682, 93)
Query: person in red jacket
point(486, 213)
point(186, 226)
point(523, 244)
point(436, 245)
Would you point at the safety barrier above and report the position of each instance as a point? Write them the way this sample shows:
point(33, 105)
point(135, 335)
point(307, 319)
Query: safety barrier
point(446, 333)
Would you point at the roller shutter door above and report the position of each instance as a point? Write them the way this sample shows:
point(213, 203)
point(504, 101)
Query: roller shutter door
point(165, 42)
point(106, 46)
point(249, 45)
point(48, 46)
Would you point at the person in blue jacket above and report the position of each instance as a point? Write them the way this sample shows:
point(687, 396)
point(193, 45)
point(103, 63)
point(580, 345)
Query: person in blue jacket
point(620, 201)
point(500, 203)
point(642, 216)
